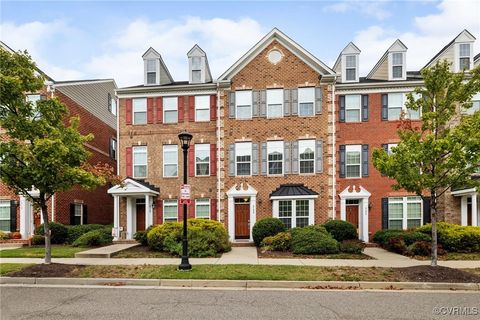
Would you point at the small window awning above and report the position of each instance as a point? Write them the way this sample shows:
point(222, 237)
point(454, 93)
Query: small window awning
point(294, 191)
point(134, 187)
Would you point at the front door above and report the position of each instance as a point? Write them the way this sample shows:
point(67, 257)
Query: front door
point(140, 217)
point(352, 214)
point(242, 220)
point(469, 212)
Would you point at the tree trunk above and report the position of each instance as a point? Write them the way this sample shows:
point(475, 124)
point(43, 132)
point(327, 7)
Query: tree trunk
point(433, 208)
point(46, 228)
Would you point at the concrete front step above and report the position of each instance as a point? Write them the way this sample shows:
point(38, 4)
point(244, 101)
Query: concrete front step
point(105, 252)
point(243, 244)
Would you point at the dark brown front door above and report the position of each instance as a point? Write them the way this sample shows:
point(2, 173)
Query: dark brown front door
point(140, 217)
point(469, 214)
point(352, 214)
point(242, 219)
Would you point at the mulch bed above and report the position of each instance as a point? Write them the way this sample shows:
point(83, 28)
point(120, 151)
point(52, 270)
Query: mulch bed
point(437, 274)
point(290, 255)
point(53, 270)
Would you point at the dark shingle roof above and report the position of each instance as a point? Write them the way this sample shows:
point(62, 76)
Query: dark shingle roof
point(292, 189)
point(146, 184)
point(476, 57)
point(175, 83)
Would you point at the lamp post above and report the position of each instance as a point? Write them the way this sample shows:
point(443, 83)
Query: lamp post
point(185, 139)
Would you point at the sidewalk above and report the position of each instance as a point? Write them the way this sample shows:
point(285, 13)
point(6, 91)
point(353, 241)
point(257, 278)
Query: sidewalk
point(248, 255)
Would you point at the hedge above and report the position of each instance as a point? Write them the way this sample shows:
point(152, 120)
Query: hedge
point(265, 228)
point(59, 232)
point(455, 238)
point(94, 238)
point(280, 242)
point(383, 237)
point(341, 230)
point(74, 232)
point(312, 240)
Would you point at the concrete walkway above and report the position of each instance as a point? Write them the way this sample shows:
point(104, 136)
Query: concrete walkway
point(105, 252)
point(247, 255)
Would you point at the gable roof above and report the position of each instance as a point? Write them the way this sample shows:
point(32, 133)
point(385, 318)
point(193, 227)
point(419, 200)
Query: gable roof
point(350, 48)
point(131, 186)
point(162, 63)
point(464, 32)
point(397, 44)
point(291, 45)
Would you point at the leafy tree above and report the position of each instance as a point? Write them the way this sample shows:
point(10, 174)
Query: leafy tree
point(442, 151)
point(40, 147)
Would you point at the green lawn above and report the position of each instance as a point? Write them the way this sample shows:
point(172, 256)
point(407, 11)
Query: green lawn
point(58, 251)
point(11, 267)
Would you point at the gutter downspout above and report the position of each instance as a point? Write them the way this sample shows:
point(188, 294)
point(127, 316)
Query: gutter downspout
point(334, 184)
point(117, 133)
point(217, 153)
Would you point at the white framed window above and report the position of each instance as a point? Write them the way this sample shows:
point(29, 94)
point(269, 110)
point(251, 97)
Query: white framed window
point(151, 71)
point(170, 109)
point(202, 208)
point(274, 103)
point(475, 105)
point(170, 160)
point(196, 69)
point(396, 104)
point(306, 156)
point(202, 159)
point(464, 56)
point(78, 213)
point(275, 157)
point(306, 102)
point(140, 162)
point(353, 107)
point(113, 148)
point(202, 108)
point(113, 106)
point(243, 104)
point(351, 68)
point(405, 212)
point(353, 161)
point(170, 210)
point(243, 158)
point(397, 65)
point(294, 212)
point(139, 110)
point(34, 98)
point(5, 215)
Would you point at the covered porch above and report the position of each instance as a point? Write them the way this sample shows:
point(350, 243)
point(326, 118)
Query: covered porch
point(133, 193)
point(469, 210)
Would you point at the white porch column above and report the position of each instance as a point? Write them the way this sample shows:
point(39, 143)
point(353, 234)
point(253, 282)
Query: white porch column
point(364, 219)
point(130, 217)
point(253, 214)
point(148, 211)
point(463, 210)
point(26, 218)
point(343, 209)
point(231, 218)
point(116, 217)
point(474, 210)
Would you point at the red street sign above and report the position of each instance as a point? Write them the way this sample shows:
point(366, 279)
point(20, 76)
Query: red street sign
point(185, 191)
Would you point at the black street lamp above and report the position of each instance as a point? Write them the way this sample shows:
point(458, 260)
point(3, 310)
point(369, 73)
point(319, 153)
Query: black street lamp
point(185, 139)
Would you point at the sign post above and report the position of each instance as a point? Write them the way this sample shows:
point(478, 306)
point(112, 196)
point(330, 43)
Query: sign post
point(185, 191)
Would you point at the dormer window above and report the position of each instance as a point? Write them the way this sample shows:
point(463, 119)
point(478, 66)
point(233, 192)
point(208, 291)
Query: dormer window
point(397, 65)
point(464, 56)
point(350, 68)
point(196, 69)
point(151, 71)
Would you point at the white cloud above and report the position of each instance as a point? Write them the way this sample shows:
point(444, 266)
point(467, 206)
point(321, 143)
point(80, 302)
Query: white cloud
point(431, 33)
point(374, 9)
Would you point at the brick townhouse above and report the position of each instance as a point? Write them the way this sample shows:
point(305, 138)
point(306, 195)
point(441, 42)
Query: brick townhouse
point(368, 112)
point(94, 102)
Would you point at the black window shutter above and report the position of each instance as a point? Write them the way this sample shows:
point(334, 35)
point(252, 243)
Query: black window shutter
point(384, 213)
point(426, 210)
point(365, 107)
point(13, 216)
point(384, 107)
point(72, 214)
point(365, 160)
point(341, 105)
point(342, 161)
point(85, 214)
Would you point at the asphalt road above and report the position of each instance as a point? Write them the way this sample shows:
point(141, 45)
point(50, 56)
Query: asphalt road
point(142, 303)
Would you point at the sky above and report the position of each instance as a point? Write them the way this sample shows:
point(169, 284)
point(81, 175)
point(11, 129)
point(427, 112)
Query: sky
point(106, 39)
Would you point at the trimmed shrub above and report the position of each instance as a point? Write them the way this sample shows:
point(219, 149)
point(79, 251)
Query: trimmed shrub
point(351, 246)
point(341, 230)
point(38, 240)
point(265, 228)
point(206, 238)
point(280, 242)
point(454, 237)
point(4, 236)
point(423, 248)
point(312, 241)
point(59, 232)
point(396, 244)
point(74, 232)
point(94, 238)
point(383, 237)
point(141, 236)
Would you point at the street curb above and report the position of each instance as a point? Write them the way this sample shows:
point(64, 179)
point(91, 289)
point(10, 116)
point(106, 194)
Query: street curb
point(243, 284)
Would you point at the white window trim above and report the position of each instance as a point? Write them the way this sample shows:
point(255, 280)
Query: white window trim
point(314, 158)
point(81, 211)
point(251, 160)
point(236, 104)
point(306, 101)
point(359, 96)
point(205, 200)
point(282, 102)
point(169, 205)
point(207, 146)
point(113, 108)
point(404, 107)
point(311, 208)
point(353, 148)
point(146, 160)
point(390, 65)
point(404, 203)
point(7, 204)
point(165, 163)
point(197, 107)
point(283, 160)
point(344, 68)
point(113, 146)
point(157, 70)
point(457, 55)
point(133, 111)
point(165, 109)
